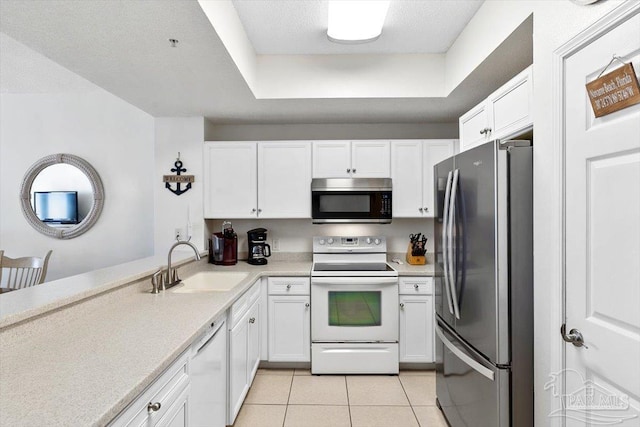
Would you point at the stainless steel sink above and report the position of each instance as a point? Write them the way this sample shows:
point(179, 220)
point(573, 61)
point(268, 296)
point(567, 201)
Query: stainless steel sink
point(209, 281)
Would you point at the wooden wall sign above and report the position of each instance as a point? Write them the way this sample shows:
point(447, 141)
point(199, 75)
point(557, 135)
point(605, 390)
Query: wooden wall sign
point(614, 91)
point(178, 178)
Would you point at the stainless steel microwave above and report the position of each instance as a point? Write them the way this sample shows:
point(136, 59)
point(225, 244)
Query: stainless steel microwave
point(355, 200)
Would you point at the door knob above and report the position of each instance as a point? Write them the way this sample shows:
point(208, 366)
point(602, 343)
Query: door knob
point(153, 407)
point(306, 304)
point(574, 337)
point(401, 305)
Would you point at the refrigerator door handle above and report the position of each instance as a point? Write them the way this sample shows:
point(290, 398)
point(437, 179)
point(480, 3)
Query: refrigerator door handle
point(486, 372)
point(452, 216)
point(445, 261)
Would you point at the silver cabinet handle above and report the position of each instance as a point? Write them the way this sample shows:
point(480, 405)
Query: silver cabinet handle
point(153, 407)
point(253, 210)
point(348, 170)
point(354, 171)
point(252, 320)
point(288, 287)
point(306, 304)
point(259, 210)
point(426, 209)
point(420, 209)
point(416, 286)
point(402, 305)
point(485, 131)
point(575, 336)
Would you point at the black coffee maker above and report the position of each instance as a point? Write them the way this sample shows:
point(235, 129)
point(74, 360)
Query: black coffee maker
point(259, 249)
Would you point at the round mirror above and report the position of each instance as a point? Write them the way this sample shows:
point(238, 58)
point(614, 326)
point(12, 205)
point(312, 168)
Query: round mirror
point(62, 196)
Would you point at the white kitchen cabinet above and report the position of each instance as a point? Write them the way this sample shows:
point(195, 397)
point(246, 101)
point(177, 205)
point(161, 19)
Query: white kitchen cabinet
point(289, 319)
point(504, 113)
point(230, 180)
point(164, 402)
point(244, 347)
point(284, 179)
point(351, 159)
point(416, 320)
point(257, 179)
point(412, 164)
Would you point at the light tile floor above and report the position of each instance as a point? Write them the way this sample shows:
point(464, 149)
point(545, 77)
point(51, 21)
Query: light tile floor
point(295, 398)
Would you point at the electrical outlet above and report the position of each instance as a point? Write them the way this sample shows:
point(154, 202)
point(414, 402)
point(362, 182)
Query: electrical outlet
point(178, 234)
point(276, 245)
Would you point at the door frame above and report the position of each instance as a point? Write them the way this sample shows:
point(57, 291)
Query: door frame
point(553, 345)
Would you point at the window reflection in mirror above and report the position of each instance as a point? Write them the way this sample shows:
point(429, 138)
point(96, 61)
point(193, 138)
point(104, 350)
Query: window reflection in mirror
point(61, 195)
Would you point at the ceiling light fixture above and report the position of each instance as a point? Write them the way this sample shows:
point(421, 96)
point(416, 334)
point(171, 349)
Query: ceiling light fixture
point(356, 21)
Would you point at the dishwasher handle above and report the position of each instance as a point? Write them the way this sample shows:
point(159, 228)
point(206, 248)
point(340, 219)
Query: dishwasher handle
point(211, 337)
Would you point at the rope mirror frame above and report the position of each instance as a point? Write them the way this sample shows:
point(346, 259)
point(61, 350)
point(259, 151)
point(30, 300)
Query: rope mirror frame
point(96, 185)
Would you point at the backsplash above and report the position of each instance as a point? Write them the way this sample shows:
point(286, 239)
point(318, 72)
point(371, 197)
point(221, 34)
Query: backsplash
point(295, 235)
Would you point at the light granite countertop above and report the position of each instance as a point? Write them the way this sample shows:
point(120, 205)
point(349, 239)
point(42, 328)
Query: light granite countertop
point(83, 364)
point(82, 349)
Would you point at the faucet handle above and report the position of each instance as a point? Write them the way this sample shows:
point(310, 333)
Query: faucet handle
point(157, 280)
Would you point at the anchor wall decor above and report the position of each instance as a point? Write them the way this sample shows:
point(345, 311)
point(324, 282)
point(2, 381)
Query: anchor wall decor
point(178, 178)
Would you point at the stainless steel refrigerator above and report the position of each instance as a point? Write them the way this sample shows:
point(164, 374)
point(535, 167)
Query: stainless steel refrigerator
point(484, 291)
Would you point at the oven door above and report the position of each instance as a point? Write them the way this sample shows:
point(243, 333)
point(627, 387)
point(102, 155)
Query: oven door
point(354, 309)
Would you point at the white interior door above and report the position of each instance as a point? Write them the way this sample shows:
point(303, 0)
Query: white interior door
point(602, 241)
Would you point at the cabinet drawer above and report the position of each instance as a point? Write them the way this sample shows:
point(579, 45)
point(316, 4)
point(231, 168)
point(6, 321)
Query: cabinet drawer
point(416, 285)
point(242, 304)
point(288, 285)
point(164, 390)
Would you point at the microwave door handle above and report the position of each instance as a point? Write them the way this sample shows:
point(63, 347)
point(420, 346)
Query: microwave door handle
point(451, 267)
point(445, 221)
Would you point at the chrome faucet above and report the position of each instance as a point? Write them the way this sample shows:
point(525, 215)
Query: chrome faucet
point(170, 279)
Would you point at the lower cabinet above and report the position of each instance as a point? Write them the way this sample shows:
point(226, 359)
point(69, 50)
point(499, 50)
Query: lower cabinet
point(416, 320)
point(164, 403)
point(289, 319)
point(244, 348)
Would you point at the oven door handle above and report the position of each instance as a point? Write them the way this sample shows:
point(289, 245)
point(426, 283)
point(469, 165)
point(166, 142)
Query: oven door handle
point(357, 281)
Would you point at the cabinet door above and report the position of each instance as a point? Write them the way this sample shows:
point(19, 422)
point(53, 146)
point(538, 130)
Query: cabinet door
point(238, 366)
point(407, 177)
point(253, 341)
point(434, 151)
point(331, 159)
point(284, 179)
point(178, 413)
point(416, 328)
point(473, 126)
point(289, 328)
point(230, 181)
point(510, 106)
point(371, 159)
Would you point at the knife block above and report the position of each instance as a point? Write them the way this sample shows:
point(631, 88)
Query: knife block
point(415, 260)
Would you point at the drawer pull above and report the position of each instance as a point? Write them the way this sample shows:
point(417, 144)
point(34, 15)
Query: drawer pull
point(288, 287)
point(252, 320)
point(153, 407)
point(416, 286)
point(306, 304)
point(401, 305)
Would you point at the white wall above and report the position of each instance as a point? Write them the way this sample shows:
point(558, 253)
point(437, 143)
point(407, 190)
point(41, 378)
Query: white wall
point(46, 109)
point(173, 135)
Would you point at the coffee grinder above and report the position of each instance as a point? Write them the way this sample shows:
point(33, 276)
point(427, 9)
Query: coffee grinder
point(259, 249)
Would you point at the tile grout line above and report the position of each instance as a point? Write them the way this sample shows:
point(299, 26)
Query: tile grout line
point(346, 386)
point(413, 411)
point(286, 408)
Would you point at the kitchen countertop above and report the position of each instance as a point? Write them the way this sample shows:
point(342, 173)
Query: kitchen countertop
point(82, 365)
point(83, 348)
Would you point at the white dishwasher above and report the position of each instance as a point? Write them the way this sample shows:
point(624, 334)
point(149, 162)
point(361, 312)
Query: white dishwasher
point(208, 375)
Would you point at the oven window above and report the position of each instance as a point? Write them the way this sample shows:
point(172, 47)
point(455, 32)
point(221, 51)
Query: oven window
point(344, 203)
point(348, 308)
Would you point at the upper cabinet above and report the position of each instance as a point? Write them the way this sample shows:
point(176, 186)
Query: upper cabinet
point(505, 112)
point(351, 159)
point(412, 164)
point(257, 179)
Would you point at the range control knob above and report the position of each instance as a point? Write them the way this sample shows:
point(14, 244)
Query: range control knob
point(376, 241)
point(330, 240)
point(368, 240)
point(321, 241)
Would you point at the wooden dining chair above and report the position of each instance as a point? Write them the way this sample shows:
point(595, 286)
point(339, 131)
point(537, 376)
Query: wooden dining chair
point(18, 273)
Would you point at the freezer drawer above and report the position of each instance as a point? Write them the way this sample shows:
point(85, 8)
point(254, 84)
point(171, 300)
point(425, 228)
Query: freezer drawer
point(470, 390)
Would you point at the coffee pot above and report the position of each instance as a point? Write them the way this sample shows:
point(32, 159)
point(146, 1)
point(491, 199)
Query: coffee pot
point(223, 249)
point(259, 249)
